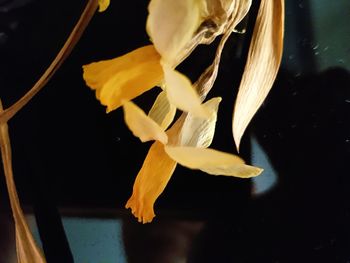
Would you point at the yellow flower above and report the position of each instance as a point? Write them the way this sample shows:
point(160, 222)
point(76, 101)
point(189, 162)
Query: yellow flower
point(175, 28)
point(185, 143)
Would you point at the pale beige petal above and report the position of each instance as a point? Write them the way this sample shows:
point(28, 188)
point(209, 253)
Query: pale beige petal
point(199, 132)
point(181, 93)
point(141, 125)
point(171, 24)
point(162, 112)
point(103, 5)
point(150, 182)
point(212, 161)
point(125, 77)
point(263, 62)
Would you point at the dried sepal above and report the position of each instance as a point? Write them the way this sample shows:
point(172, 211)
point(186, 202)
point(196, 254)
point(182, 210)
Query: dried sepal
point(262, 65)
point(141, 125)
point(162, 112)
point(150, 182)
point(212, 161)
point(124, 77)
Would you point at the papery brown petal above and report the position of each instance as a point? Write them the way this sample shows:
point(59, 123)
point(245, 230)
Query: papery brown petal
point(212, 161)
point(141, 125)
point(262, 65)
point(26, 247)
point(150, 182)
point(125, 77)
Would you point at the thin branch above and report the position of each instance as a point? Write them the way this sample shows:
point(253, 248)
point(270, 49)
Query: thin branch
point(73, 38)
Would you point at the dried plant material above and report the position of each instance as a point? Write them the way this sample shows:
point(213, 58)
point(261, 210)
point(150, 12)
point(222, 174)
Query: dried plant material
point(150, 182)
point(68, 46)
point(141, 125)
point(162, 112)
point(212, 161)
point(171, 24)
point(103, 5)
point(181, 93)
point(27, 249)
point(219, 17)
point(125, 77)
point(263, 62)
point(199, 132)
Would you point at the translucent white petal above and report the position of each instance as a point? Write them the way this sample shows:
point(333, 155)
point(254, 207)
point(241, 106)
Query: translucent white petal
point(162, 112)
point(199, 132)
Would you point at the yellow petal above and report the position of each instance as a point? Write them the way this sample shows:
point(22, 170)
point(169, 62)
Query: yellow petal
point(150, 182)
point(141, 125)
point(199, 132)
point(125, 77)
point(212, 161)
point(263, 62)
point(103, 4)
point(162, 112)
point(171, 24)
point(181, 93)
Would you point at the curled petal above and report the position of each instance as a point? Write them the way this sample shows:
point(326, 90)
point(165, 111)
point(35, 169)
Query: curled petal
point(125, 77)
point(181, 93)
point(212, 161)
point(141, 125)
point(150, 182)
point(264, 58)
point(171, 24)
point(199, 132)
point(162, 112)
point(103, 5)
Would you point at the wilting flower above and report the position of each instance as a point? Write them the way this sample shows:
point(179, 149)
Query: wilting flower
point(175, 29)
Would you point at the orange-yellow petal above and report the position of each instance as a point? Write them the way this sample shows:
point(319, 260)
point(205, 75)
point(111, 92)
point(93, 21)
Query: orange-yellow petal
point(103, 5)
point(150, 182)
point(141, 125)
point(212, 161)
point(125, 77)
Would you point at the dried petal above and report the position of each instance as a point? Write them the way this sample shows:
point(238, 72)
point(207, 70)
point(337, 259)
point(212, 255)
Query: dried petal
point(150, 182)
point(263, 62)
point(103, 5)
point(212, 161)
point(162, 112)
point(125, 77)
point(199, 132)
point(171, 24)
point(181, 93)
point(141, 125)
